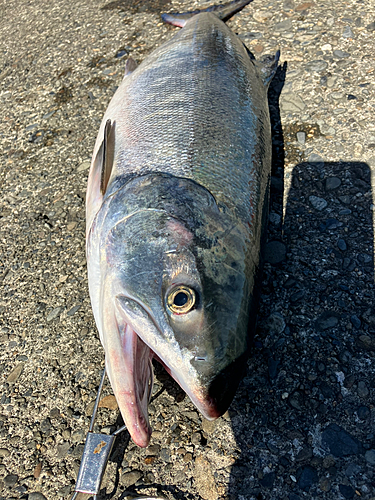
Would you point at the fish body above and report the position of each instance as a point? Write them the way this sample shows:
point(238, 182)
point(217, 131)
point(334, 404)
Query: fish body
point(176, 209)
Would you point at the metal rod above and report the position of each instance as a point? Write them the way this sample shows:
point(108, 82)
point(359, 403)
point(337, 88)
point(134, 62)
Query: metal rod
point(75, 495)
point(151, 383)
point(91, 429)
point(121, 429)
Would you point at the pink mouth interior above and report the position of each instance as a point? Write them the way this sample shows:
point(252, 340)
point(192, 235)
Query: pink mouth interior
point(133, 386)
point(130, 371)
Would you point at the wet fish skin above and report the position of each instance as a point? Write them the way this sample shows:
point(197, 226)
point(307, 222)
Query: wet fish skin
point(177, 195)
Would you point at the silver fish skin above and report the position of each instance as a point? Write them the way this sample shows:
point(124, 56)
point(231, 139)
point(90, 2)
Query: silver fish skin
point(176, 208)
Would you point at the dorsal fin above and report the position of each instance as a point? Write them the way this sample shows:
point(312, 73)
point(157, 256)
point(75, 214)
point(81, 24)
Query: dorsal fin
point(267, 67)
point(130, 66)
point(223, 12)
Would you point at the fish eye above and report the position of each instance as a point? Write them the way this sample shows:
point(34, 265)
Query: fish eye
point(181, 299)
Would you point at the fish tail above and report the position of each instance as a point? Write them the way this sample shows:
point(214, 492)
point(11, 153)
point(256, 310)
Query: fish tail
point(223, 12)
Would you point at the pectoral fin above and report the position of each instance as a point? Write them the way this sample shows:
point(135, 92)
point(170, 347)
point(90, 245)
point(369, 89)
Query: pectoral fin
point(107, 155)
point(100, 172)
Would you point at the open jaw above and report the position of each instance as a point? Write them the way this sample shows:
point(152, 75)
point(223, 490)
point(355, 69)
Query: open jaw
point(129, 367)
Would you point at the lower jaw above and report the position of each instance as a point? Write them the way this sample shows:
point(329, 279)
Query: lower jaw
point(206, 405)
point(138, 420)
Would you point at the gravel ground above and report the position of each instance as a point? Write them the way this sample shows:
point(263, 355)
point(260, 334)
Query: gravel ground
point(302, 424)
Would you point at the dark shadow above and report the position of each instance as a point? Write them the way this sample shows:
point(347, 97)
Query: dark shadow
point(278, 154)
point(311, 377)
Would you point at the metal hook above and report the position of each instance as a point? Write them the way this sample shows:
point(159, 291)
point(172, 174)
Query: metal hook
point(95, 455)
point(97, 451)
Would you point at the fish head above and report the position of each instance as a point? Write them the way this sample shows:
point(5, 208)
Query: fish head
point(174, 288)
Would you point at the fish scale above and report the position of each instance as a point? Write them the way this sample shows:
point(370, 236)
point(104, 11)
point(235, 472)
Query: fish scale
point(208, 90)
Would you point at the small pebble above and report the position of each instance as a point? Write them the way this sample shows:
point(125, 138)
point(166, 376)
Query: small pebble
point(275, 323)
point(296, 296)
point(78, 436)
point(346, 491)
point(15, 374)
point(370, 457)
point(347, 32)
point(275, 218)
point(196, 438)
point(120, 53)
point(362, 389)
point(36, 495)
point(317, 202)
point(339, 442)
point(108, 402)
point(352, 469)
point(345, 199)
point(10, 480)
point(62, 449)
point(305, 454)
point(85, 165)
point(332, 183)
point(355, 321)
point(273, 368)
point(301, 137)
point(45, 425)
point(316, 66)
point(54, 314)
point(325, 484)
point(165, 454)
point(341, 244)
point(275, 252)
point(268, 480)
point(363, 412)
point(262, 16)
point(340, 54)
point(292, 103)
point(283, 25)
point(317, 160)
point(288, 5)
point(73, 310)
point(306, 477)
point(38, 470)
point(208, 426)
point(304, 6)
point(130, 478)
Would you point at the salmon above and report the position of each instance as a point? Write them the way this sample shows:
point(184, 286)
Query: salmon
point(177, 205)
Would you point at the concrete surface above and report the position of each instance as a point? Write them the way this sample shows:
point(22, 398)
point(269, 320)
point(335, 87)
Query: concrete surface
point(302, 424)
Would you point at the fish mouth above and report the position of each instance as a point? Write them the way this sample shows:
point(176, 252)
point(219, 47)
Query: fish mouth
point(129, 367)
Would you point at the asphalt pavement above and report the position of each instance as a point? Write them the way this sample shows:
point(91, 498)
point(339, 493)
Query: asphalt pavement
point(302, 425)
